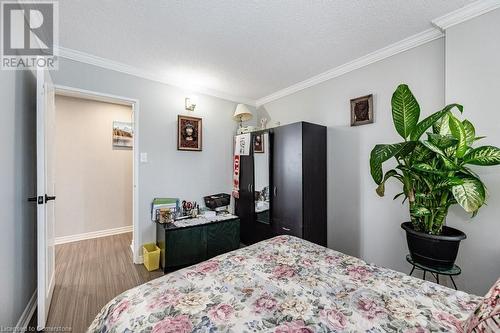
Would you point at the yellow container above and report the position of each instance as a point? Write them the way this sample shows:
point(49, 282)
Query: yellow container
point(151, 256)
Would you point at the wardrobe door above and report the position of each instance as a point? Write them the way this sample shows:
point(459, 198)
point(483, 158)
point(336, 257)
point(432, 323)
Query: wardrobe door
point(287, 180)
point(245, 203)
point(315, 183)
point(262, 156)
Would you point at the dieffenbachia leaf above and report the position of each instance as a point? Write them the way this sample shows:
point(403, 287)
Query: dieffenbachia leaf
point(424, 167)
point(448, 182)
point(419, 211)
point(470, 195)
point(470, 132)
point(398, 195)
point(381, 187)
point(448, 164)
point(458, 131)
point(485, 155)
point(433, 147)
point(442, 141)
point(405, 110)
point(380, 154)
point(422, 126)
point(467, 171)
point(423, 196)
point(442, 125)
point(420, 153)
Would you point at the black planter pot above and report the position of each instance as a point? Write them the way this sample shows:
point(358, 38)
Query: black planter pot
point(438, 251)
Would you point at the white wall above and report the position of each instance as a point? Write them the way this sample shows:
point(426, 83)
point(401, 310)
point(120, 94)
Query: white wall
point(93, 179)
point(169, 172)
point(17, 183)
point(359, 222)
point(473, 79)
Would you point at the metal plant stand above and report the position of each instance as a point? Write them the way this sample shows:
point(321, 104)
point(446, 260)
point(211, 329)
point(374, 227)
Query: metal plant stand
point(454, 271)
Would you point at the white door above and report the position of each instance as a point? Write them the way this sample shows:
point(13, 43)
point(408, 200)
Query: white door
point(45, 126)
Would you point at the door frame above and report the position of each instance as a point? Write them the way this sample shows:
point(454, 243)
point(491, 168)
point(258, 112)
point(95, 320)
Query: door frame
point(62, 90)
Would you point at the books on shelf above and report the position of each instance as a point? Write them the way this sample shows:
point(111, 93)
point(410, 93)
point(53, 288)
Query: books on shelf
point(162, 205)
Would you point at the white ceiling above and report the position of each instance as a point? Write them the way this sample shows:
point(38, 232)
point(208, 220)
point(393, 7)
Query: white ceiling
point(246, 49)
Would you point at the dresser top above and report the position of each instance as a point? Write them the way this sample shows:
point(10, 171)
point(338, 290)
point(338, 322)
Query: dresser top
point(197, 221)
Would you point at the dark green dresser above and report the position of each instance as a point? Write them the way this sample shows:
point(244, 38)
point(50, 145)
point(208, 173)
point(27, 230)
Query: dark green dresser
point(184, 244)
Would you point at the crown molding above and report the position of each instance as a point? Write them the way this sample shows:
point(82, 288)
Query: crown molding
point(465, 13)
point(383, 53)
point(90, 59)
point(441, 23)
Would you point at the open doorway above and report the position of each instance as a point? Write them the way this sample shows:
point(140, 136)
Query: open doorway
point(93, 169)
point(92, 118)
point(95, 229)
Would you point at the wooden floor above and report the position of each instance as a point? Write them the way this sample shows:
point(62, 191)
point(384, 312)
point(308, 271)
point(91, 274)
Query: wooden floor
point(89, 274)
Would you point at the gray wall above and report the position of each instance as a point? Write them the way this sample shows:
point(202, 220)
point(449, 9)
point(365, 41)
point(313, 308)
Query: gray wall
point(359, 222)
point(169, 172)
point(465, 68)
point(17, 183)
point(473, 79)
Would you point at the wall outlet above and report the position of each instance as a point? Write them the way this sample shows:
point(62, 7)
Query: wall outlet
point(144, 157)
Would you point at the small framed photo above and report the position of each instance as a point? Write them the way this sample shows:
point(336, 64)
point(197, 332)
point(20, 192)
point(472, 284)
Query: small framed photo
point(362, 110)
point(258, 143)
point(189, 133)
point(123, 135)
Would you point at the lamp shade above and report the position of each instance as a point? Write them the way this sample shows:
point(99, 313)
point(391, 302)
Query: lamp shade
point(242, 113)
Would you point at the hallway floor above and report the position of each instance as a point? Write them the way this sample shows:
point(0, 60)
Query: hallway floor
point(89, 274)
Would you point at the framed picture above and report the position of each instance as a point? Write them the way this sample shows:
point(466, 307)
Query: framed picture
point(189, 133)
point(362, 110)
point(123, 135)
point(258, 143)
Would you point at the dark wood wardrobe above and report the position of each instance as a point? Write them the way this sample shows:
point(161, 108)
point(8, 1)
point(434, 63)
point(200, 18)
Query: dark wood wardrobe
point(283, 184)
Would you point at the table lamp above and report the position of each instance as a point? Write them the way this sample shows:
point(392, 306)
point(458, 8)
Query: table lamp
point(241, 114)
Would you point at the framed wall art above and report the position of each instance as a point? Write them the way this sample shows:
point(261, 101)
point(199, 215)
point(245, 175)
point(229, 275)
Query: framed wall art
point(362, 110)
point(189, 133)
point(123, 135)
point(258, 143)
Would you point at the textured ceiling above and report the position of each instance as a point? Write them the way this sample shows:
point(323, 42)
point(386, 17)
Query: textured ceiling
point(241, 48)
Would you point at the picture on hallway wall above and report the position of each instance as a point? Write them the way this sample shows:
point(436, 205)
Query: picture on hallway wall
point(189, 133)
point(362, 110)
point(123, 135)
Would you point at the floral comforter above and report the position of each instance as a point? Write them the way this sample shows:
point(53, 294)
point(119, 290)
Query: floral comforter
point(283, 285)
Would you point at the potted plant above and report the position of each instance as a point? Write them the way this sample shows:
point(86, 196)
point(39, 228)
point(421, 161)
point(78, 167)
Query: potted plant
point(432, 164)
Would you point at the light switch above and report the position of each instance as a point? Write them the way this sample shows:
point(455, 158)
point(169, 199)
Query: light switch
point(144, 157)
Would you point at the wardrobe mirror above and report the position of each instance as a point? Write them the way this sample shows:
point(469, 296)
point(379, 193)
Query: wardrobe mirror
point(261, 169)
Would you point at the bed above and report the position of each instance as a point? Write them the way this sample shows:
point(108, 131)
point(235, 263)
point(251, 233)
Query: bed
point(282, 285)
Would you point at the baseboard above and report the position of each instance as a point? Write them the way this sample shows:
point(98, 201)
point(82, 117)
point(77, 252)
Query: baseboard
point(140, 260)
point(93, 234)
point(27, 314)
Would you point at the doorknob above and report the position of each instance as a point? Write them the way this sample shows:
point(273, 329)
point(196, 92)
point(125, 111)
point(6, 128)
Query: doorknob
point(36, 199)
point(48, 198)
